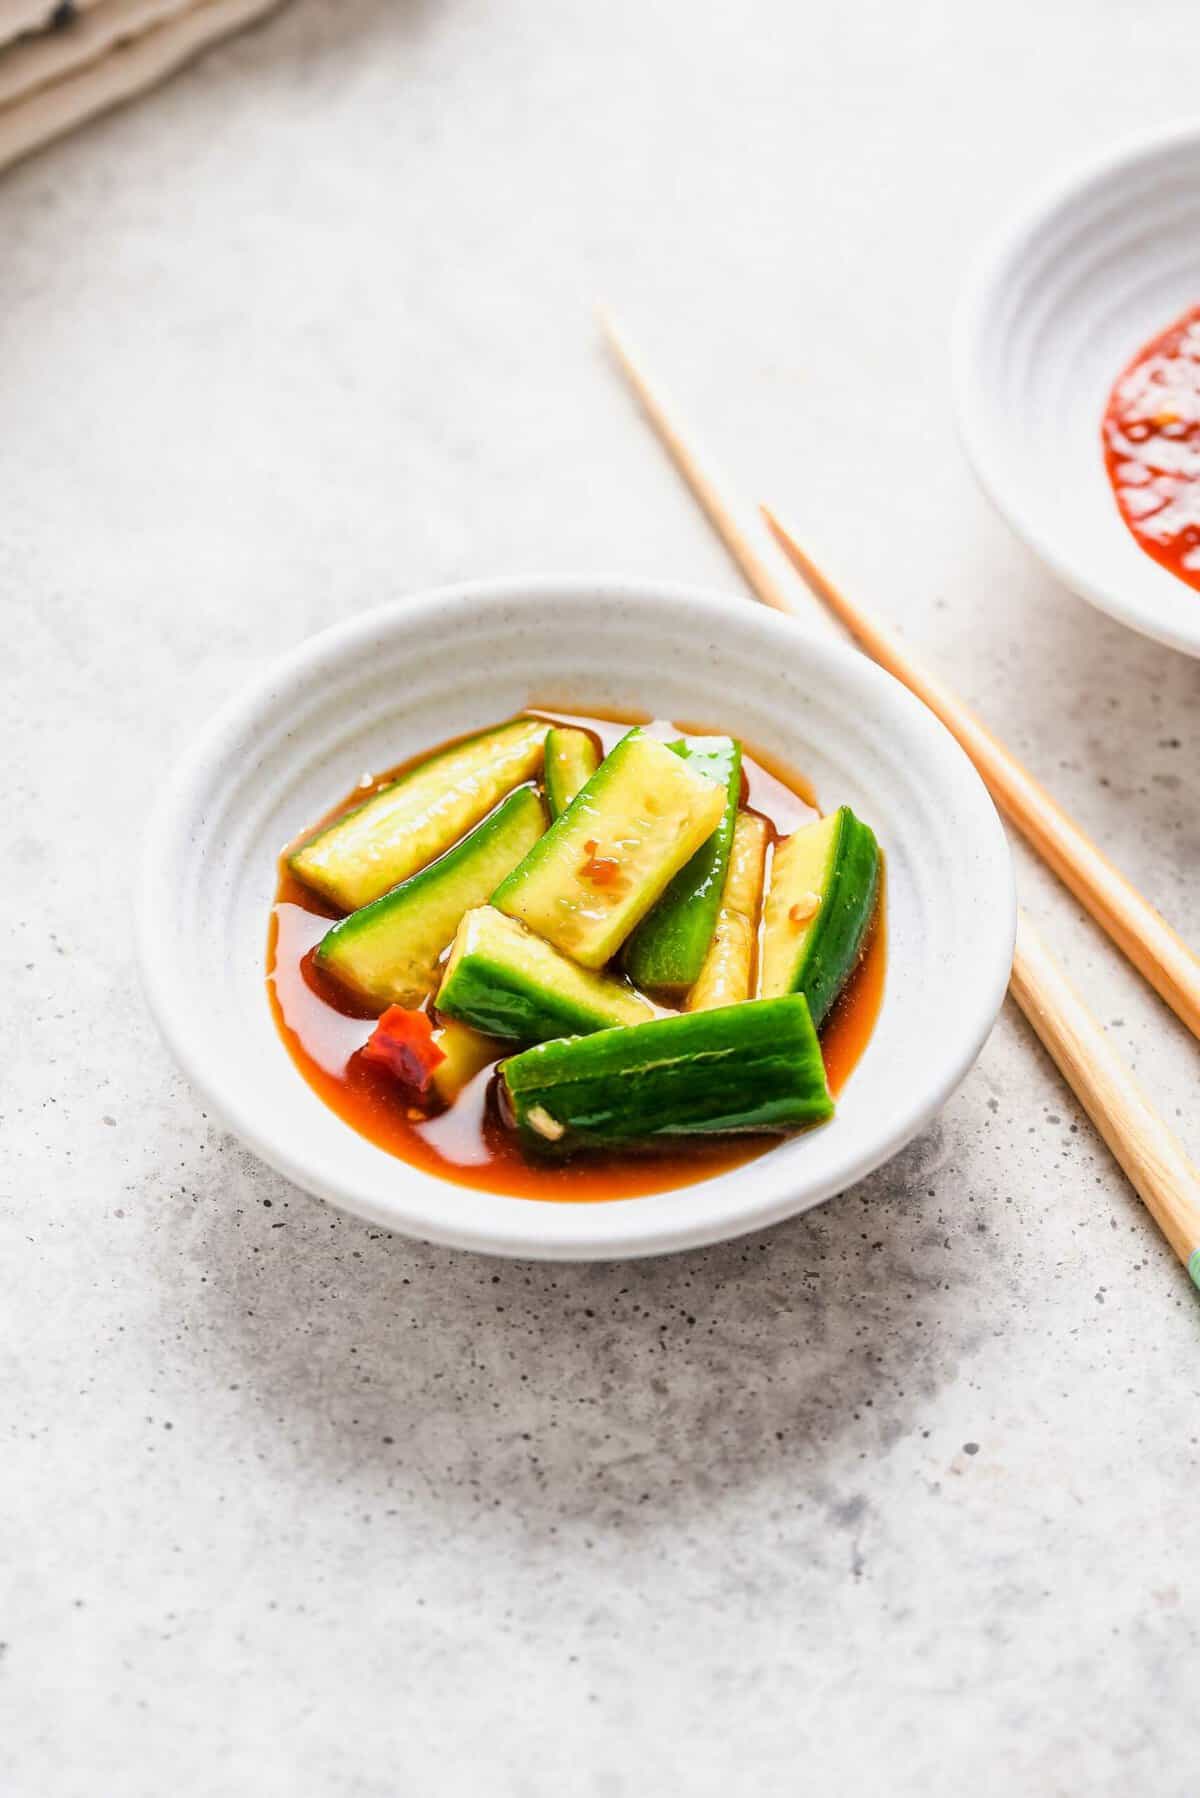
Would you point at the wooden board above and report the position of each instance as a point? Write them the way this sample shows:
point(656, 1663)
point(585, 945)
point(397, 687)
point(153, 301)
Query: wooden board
point(51, 56)
point(74, 83)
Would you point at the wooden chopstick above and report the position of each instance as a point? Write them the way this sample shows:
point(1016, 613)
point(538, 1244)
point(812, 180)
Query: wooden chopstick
point(1151, 1156)
point(1140, 932)
point(704, 488)
point(56, 53)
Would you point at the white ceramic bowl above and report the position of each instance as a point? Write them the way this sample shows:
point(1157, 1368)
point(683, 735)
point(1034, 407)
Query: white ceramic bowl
point(385, 685)
point(1056, 309)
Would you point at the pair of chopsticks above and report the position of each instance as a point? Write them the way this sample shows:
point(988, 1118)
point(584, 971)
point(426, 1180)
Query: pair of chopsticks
point(58, 69)
point(1150, 1154)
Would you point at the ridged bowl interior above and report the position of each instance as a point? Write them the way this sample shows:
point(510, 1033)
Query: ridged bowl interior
point(1056, 310)
point(366, 694)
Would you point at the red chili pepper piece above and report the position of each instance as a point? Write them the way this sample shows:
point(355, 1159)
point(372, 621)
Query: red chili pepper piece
point(402, 1042)
point(601, 870)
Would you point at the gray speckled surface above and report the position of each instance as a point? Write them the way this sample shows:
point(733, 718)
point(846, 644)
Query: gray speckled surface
point(898, 1498)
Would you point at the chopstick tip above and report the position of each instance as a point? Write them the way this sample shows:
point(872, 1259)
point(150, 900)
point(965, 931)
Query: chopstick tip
point(609, 330)
point(786, 539)
point(810, 571)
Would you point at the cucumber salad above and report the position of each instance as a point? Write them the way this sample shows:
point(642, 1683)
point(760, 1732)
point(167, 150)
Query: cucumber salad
point(592, 941)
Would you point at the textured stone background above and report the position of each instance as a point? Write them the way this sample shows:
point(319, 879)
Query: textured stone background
point(896, 1499)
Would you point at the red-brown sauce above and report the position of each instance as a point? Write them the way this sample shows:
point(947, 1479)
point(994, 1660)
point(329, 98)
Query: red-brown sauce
point(1152, 447)
point(323, 1029)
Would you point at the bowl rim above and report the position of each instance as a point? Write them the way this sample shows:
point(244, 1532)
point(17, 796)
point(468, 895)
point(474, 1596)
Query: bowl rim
point(968, 328)
point(614, 1229)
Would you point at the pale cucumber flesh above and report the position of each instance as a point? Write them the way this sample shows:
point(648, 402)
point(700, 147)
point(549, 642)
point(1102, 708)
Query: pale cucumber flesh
point(465, 1053)
point(389, 951)
point(406, 825)
point(819, 907)
point(604, 862)
point(571, 759)
point(666, 952)
point(728, 972)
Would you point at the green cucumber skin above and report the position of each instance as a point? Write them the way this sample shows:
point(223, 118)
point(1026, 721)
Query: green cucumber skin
point(666, 952)
point(564, 745)
point(832, 952)
point(432, 902)
point(751, 1067)
point(490, 994)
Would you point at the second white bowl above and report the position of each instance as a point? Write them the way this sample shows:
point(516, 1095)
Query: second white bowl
point(1056, 309)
